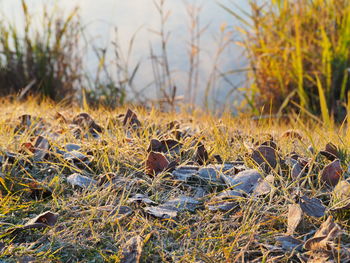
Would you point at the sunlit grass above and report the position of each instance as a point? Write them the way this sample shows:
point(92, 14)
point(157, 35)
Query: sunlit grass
point(298, 51)
point(85, 231)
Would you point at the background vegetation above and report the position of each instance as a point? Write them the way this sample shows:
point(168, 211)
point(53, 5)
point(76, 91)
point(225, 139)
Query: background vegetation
point(298, 53)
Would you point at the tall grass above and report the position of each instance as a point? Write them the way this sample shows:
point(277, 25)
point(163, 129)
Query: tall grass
point(43, 58)
point(298, 52)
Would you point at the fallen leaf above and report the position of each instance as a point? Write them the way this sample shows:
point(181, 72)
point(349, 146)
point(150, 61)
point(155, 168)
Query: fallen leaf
point(27, 147)
point(297, 171)
point(41, 148)
point(156, 163)
point(38, 191)
point(161, 212)
point(295, 214)
point(332, 173)
point(185, 173)
point(265, 154)
point(131, 120)
point(312, 206)
point(263, 186)
point(46, 219)
point(182, 203)
point(140, 198)
point(218, 158)
point(164, 146)
point(85, 121)
point(290, 243)
point(244, 182)
point(293, 134)
point(269, 143)
point(341, 196)
point(201, 154)
point(210, 174)
point(225, 201)
point(106, 178)
point(81, 180)
point(132, 250)
point(72, 147)
point(331, 148)
point(323, 237)
point(77, 158)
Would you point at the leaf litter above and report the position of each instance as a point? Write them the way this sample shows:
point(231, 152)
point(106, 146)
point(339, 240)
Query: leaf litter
point(182, 178)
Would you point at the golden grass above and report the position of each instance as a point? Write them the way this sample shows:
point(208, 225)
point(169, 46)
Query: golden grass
point(85, 232)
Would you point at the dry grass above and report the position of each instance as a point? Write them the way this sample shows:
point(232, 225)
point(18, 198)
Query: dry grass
point(85, 232)
point(298, 51)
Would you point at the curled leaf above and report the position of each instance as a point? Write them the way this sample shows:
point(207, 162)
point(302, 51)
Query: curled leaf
point(322, 239)
point(46, 219)
point(131, 120)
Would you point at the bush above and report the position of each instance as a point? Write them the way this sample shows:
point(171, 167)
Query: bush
point(44, 58)
point(298, 52)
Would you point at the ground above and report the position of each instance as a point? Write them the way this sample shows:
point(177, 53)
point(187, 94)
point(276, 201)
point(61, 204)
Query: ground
point(210, 189)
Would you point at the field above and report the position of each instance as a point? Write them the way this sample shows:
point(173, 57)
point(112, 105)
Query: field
point(170, 187)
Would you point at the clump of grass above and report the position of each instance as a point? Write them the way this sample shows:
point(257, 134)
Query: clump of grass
point(42, 57)
point(298, 51)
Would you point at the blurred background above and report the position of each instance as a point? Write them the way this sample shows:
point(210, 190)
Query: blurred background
point(191, 28)
point(269, 56)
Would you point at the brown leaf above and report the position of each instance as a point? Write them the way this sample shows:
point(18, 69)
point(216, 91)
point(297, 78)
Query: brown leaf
point(294, 134)
point(163, 146)
point(312, 206)
point(201, 155)
point(327, 232)
point(59, 116)
point(85, 121)
point(46, 219)
point(265, 154)
point(295, 214)
point(269, 143)
point(332, 173)
point(331, 148)
point(297, 171)
point(131, 120)
point(328, 155)
point(132, 250)
point(156, 163)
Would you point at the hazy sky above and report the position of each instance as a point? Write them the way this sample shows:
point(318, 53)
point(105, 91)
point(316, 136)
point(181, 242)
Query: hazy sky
point(102, 16)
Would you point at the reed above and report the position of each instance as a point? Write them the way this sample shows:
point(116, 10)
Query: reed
point(298, 52)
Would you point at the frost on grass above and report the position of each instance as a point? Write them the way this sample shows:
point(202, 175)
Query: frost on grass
point(145, 186)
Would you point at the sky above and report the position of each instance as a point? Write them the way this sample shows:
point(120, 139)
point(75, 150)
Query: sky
point(130, 16)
